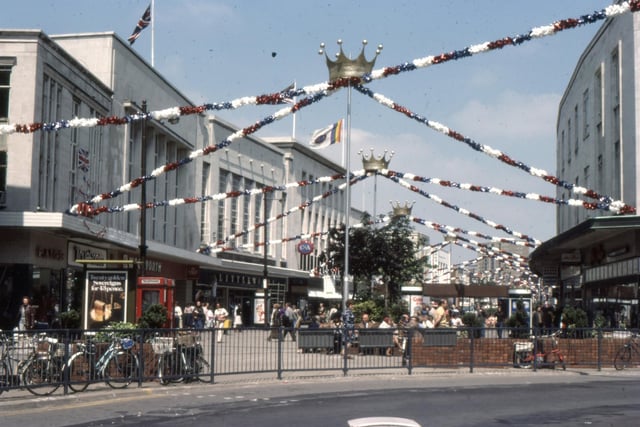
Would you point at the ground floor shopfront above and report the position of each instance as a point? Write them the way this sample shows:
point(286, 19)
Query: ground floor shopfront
point(595, 266)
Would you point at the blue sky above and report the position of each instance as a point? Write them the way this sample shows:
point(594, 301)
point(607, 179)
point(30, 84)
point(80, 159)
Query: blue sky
point(216, 51)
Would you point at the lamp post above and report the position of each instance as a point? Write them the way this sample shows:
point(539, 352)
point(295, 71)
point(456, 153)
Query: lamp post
point(372, 165)
point(340, 69)
point(143, 194)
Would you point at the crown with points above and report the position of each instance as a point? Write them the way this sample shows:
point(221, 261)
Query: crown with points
point(345, 67)
point(372, 164)
point(402, 210)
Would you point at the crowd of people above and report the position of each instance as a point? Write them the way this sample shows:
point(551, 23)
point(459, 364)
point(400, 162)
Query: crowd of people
point(201, 315)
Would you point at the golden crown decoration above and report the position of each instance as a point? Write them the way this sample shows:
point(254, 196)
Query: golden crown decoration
point(344, 67)
point(402, 210)
point(373, 164)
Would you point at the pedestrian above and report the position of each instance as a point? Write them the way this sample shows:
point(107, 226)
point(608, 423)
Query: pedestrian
point(177, 316)
point(274, 322)
point(237, 318)
point(27, 315)
point(198, 315)
point(220, 314)
point(348, 323)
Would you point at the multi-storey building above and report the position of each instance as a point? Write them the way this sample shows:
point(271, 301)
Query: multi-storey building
point(47, 169)
point(594, 261)
point(597, 127)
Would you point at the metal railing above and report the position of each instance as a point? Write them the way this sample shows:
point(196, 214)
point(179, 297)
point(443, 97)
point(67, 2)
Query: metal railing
point(188, 355)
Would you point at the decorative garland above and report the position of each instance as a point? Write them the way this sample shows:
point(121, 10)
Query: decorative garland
point(90, 211)
point(282, 97)
point(77, 208)
point(509, 193)
point(353, 180)
point(615, 206)
point(463, 211)
point(451, 231)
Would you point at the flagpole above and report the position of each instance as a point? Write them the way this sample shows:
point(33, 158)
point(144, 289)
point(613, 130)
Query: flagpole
point(293, 130)
point(153, 32)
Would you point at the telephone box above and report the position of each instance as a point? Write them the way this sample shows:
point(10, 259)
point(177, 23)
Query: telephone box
point(155, 290)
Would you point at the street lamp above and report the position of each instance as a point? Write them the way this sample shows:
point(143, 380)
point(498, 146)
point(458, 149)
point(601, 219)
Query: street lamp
point(344, 68)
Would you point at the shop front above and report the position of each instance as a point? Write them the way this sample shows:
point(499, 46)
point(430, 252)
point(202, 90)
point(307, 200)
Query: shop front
point(595, 266)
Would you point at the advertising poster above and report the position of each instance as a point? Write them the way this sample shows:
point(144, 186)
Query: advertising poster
point(259, 311)
point(105, 298)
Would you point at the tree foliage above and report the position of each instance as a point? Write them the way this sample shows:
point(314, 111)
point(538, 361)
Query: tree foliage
point(386, 254)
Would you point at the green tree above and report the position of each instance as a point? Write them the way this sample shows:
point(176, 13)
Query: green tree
point(387, 253)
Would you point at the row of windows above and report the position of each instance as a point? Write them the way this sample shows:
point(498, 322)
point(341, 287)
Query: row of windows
point(5, 85)
point(577, 130)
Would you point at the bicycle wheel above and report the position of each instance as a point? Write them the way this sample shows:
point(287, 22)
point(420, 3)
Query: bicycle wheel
point(79, 372)
point(170, 369)
point(623, 358)
point(522, 359)
point(202, 369)
point(41, 376)
point(5, 376)
point(121, 369)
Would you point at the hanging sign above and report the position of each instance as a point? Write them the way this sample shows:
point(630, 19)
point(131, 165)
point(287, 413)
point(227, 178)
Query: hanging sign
point(305, 247)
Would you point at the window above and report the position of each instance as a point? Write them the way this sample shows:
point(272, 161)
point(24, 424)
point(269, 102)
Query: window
point(576, 123)
point(5, 86)
point(205, 235)
point(222, 188)
point(585, 114)
point(597, 101)
point(6, 65)
point(3, 177)
point(569, 141)
point(49, 144)
point(257, 218)
point(235, 205)
point(246, 212)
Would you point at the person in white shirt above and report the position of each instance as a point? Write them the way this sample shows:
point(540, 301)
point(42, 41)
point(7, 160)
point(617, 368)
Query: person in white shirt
point(456, 321)
point(220, 314)
point(177, 316)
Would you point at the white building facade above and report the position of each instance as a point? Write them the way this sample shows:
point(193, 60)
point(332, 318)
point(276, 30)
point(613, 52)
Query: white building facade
point(597, 127)
point(49, 79)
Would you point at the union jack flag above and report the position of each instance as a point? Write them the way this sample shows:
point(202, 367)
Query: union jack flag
point(142, 24)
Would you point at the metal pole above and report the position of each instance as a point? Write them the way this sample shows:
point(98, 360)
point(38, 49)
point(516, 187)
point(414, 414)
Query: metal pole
point(143, 194)
point(265, 271)
point(347, 205)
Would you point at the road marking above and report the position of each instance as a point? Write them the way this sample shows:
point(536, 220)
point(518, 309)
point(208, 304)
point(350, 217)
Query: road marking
point(76, 405)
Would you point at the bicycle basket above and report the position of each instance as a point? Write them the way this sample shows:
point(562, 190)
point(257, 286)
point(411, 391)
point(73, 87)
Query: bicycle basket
point(126, 343)
point(523, 346)
point(187, 340)
point(162, 345)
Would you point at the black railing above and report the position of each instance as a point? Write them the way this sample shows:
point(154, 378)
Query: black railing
point(170, 355)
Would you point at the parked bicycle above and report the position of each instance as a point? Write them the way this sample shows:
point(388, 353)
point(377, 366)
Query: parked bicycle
point(540, 352)
point(624, 356)
point(32, 362)
point(180, 359)
point(118, 366)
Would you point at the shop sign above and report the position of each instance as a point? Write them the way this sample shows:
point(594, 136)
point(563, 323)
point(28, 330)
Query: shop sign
point(77, 251)
point(105, 298)
point(305, 247)
point(49, 253)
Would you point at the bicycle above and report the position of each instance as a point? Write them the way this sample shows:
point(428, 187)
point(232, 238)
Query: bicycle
point(179, 359)
point(39, 372)
point(625, 354)
point(533, 354)
point(118, 366)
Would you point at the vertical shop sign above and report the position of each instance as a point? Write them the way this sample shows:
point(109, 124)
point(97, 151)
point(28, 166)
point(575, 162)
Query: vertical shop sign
point(105, 298)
